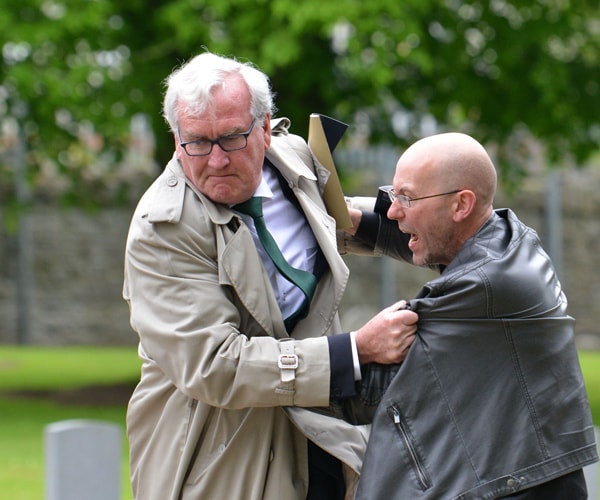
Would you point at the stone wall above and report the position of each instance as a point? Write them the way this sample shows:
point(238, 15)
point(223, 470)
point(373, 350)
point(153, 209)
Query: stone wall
point(76, 268)
point(76, 280)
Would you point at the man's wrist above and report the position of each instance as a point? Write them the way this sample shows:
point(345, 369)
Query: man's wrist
point(355, 358)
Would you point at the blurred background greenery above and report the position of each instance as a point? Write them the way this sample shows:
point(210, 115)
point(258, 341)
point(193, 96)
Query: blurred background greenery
point(78, 79)
point(81, 84)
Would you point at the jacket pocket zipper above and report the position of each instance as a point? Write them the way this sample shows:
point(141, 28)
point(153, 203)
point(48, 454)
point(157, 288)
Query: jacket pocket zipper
point(422, 476)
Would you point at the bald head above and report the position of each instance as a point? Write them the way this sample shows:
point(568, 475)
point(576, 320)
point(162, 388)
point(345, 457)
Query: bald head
point(450, 183)
point(455, 161)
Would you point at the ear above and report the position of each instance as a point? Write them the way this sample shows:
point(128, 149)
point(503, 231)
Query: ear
point(266, 130)
point(464, 205)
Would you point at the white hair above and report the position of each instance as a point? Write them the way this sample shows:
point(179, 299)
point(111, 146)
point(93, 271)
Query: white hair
point(189, 87)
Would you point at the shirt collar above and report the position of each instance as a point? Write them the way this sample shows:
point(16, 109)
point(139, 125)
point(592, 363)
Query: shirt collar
point(263, 190)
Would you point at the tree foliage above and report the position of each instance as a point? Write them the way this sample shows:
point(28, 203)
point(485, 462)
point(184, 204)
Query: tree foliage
point(73, 74)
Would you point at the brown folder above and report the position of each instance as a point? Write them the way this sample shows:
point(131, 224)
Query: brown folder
point(324, 133)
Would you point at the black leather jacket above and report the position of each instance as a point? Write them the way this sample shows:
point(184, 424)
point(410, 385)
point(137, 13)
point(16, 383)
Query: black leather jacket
point(490, 399)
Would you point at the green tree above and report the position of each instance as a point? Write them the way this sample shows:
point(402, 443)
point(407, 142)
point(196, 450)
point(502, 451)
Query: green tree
point(73, 73)
point(67, 77)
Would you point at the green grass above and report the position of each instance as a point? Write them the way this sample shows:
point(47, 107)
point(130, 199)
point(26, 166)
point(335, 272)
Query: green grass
point(34, 368)
point(23, 420)
point(590, 364)
point(65, 367)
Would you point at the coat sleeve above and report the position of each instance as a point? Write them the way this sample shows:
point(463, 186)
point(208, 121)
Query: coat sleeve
point(376, 235)
point(196, 331)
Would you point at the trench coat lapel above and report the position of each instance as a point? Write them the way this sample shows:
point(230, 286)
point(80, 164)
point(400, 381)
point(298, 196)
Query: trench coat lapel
point(241, 268)
point(306, 185)
point(244, 271)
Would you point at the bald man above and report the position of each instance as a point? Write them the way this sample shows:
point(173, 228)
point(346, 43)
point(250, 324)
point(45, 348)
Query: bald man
point(490, 400)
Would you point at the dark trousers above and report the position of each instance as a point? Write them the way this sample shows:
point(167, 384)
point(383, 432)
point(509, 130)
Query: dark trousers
point(325, 475)
point(568, 487)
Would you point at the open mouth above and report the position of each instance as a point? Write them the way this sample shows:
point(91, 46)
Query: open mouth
point(413, 240)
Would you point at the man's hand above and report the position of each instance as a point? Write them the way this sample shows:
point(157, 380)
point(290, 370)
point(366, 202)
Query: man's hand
point(386, 337)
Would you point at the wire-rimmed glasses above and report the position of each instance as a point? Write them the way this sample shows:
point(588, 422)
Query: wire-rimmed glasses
point(405, 201)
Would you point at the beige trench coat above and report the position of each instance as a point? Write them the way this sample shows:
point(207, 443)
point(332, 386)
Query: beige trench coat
point(211, 417)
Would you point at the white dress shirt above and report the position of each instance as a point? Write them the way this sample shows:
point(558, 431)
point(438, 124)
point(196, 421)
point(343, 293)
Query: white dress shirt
point(294, 238)
point(297, 243)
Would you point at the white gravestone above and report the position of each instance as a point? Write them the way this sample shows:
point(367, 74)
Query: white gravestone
point(83, 460)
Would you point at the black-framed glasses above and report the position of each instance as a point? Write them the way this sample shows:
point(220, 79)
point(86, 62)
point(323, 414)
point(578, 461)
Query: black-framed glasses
point(405, 201)
point(228, 143)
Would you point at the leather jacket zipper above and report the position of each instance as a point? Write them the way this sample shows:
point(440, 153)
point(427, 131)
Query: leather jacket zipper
point(422, 476)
